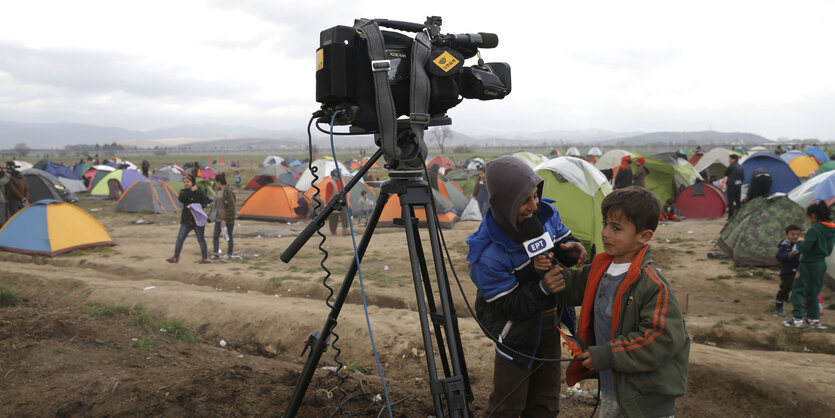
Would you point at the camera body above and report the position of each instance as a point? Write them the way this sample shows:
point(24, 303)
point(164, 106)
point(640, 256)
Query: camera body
point(344, 72)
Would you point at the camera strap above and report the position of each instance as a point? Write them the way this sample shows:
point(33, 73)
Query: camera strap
point(420, 90)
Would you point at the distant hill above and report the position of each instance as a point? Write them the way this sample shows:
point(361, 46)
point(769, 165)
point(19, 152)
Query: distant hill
point(692, 138)
point(585, 136)
point(58, 135)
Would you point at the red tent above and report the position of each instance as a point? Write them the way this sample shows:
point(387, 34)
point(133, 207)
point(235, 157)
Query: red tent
point(702, 201)
point(441, 161)
point(696, 157)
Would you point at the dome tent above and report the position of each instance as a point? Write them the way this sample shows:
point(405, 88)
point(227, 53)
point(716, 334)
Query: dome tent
point(578, 189)
point(612, 158)
point(714, 162)
point(43, 185)
point(50, 227)
point(702, 201)
point(273, 203)
point(272, 173)
point(153, 196)
point(324, 167)
point(669, 175)
point(126, 179)
point(784, 178)
point(750, 237)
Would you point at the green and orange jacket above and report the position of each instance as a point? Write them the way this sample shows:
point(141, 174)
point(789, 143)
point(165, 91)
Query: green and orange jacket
point(818, 242)
point(649, 349)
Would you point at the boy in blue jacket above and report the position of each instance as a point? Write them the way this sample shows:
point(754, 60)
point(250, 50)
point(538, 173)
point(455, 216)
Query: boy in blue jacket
point(518, 312)
point(789, 258)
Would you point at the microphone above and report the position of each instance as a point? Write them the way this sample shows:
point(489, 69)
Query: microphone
point(538, 240)
point(477, 40)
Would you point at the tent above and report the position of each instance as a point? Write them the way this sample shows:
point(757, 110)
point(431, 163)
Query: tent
point(475, 163)
point(451, 191)
point(713, 163)
point(573, 152)
point(272, 159)
point(353, 164)
point(125, 177)
point(365, 160)
point(442, 162)
point(50, 227)
point(154, 196)
point(202, 183)
point(784, 178)
point(81, 168)
point(465, 180)
point(807, 192)
point(827, 166)
point(694, 159)
point(22, 165)
point(751, 236)
point(392, 210)
point(669, 175)
point(324, 167)
point(96, 173)
point(531, 159)
point(206, 173)
point(612, 158)
point(471, 212)
point(595, 152)
point(272, 173)
point(804, 166)
point(354, 195)
point(273, 202)
point(66, 177)
point(213, 161)
point(817, 153)
point(43, 185)
point(791, 155)
point(169, 172)
point(577, 188)
point(702, 201)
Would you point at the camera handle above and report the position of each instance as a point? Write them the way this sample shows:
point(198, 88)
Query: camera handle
point(452, 393)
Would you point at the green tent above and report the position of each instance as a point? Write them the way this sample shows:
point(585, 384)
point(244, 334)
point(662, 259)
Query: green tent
point(827, 166)
point(465, 179)
point(752, 235)
point(578, 189)
point(202, 183)
point(668, 175)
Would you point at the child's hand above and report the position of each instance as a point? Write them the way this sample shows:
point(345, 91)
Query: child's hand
point(553, 280)
point(542, 262)
point(576, 250)
point(585, 357)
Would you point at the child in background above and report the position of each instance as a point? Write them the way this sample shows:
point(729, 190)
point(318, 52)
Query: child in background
point(789, 258)
point(365, 208)
point(814, 247)
point(237, 179)
point(630, 320)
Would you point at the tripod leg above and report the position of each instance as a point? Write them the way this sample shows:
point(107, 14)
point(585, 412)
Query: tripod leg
point(319, 344)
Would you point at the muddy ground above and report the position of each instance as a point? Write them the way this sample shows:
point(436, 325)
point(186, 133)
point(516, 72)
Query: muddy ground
point(87, 341)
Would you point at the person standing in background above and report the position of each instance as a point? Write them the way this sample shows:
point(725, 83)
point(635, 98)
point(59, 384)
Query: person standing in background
point(225, 202)
point(735, 175)
point(480, 192)
point(640, 177)
point(4, 179)
point(624, 177)
point(146, 167)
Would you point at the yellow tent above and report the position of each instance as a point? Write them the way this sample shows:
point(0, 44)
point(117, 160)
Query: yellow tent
point(804, 166)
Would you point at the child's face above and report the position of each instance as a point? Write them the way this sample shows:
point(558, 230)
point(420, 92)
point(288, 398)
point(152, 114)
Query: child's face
point(620, 237)
point(793, 236)
point(529, 207)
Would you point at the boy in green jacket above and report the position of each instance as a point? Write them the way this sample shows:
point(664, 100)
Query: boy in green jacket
point(630, 321)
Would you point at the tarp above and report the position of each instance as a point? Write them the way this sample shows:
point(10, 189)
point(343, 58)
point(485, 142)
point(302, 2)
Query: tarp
point(577, 188)
point(702, 201)
point(153, 196)
point(324, 165)
point(273, 202)
point(784, 178)
point(43, 185)
point(272, 173)
point(51, 227)
point(126, 178)
point(751, 236)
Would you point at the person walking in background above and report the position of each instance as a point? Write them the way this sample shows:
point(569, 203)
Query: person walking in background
point(333, 188)
point(789, 258)
point(814, 247)
point(191, 194)
point(734, 174)
point(17, 192)
point(195, 170)
point(146, 167)
point(624, 177)
point(225, 202)
point(480, 192)
point(237, 179)
point(366, 205)
point(640, 177)
point(5, 177)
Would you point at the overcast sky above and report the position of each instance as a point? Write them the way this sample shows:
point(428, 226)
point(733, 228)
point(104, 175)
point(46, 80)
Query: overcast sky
point(765, 67)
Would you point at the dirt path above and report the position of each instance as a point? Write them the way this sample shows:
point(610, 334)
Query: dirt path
point(57, 360)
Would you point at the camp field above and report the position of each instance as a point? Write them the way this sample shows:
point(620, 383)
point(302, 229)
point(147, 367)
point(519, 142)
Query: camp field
point(87, 339)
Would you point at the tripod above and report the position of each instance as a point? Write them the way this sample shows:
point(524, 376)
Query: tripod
point(451, 393)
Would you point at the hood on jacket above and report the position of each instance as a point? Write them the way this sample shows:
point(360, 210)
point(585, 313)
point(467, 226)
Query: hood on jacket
point(625, 161)
point(509, 183)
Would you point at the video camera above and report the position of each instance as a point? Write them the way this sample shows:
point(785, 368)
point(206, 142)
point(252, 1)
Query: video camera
point(368, 78)
point(11, 167)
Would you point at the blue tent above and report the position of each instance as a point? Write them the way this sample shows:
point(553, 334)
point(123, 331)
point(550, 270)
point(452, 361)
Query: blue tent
point(59, 170)
point(789, 156)
point(784, 178)
point(817, 153)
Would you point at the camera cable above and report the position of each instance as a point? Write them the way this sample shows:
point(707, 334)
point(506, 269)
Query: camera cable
point(347, 207)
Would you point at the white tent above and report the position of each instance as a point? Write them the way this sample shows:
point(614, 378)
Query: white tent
point(475, 162)
point(612, 158)
point(471, 212)
point(714, 157)
point(573, 152)
point(595, 151)
point(22, 165)
point(324, 167)
point(530, 158)
point(272, 159)
point(75, 186)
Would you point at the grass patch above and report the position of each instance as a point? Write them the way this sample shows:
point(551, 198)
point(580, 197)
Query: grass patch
point(772, 340)
point(690, 252)
point(355, 366)
point(793, 334)
point(718, 278)
point(60, 350)
point(724, 262)
point(140, 257)
point(93, 251)
point(176, 328)
point(753, 327)
point(139, 316)
point(146, 343)
point(9, 298)
point(101, 309)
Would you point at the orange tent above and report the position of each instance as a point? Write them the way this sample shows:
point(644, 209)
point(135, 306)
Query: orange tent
point(365, 160)
point(394, 210)
point(272, 202)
